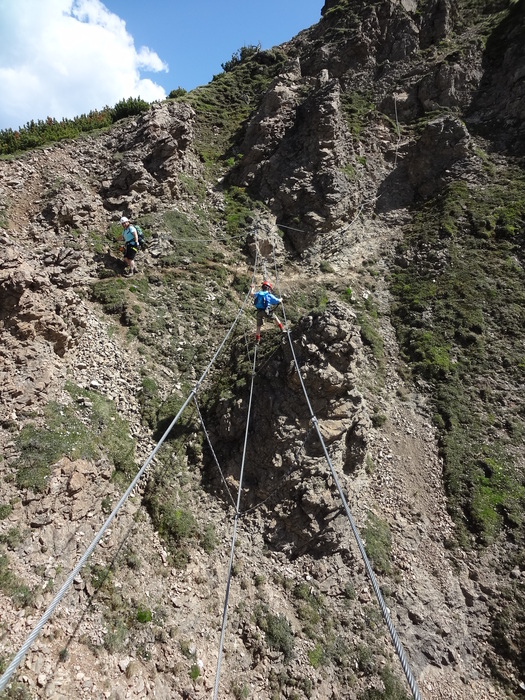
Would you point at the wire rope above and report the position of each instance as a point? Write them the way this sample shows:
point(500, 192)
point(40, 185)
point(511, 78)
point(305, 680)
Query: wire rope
point(4, 679)
point(290, 228)
point(386, 615)
point(6, 676)
point(189, 241)
point(206, 435)
point(265, 272)
point(245, 337)
point(234, 535)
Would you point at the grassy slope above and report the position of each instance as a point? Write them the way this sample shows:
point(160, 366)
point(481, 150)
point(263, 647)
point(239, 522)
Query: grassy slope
point(460, 318)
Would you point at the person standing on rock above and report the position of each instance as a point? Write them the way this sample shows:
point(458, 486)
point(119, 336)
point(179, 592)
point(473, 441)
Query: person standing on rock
point(264, 300)
point(131, 241)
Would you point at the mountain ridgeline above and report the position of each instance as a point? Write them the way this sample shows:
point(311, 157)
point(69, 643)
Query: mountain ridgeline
point(373, 168)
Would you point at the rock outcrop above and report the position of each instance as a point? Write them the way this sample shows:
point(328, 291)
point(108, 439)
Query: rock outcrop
point(376, 110)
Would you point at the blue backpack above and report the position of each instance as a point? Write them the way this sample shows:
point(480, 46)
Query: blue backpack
point(261, 300)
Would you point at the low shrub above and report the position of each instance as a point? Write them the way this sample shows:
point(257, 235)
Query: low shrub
point(144, 615)
point(12, 586)
point(278, 632)
point(5, 510)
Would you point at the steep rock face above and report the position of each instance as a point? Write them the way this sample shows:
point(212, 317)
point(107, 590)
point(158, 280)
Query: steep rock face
point(318, 160)
point(290, 497)
point(151, 156)
point(296, 154)
point(38, 325)
point(443, 145)
point(451, 83)
point(301, 151)
point(437, 21)
point(328, 349)
point(386, 31)
point(50, 196)
point(304, 106)
point(86, 184)
point(497, 106)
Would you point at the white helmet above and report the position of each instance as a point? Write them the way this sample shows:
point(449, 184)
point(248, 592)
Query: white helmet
point(124, 220)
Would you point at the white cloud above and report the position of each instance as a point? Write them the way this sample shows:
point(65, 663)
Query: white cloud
point(63, 58)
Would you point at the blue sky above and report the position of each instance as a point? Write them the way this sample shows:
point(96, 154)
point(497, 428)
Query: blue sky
point(196, 36)
point(63, 58)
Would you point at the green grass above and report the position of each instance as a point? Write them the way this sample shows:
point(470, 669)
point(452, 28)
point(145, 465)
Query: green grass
point(278, 631)
point(12, 538)
point(111, 294)
point(239, 211)
point(189, 236)
point(356, 108)
point(394, 689)
point(149, 401)
point(240, 691)
point(376, 534)
point(5, 510)
point(209, 539)
point(16, 691)
point(117, 635)
point(144, 615)
point(223, 105)
point(77, 433)
point(124, 618)
point(368, 319)
point(316, 656)
point(326, 267)
point(370, 335)
point(64, 435)
point(170, 511)
point(41, 132)
point(21, 594)
point(309, 608)
point(303, 302)
point(460, 318)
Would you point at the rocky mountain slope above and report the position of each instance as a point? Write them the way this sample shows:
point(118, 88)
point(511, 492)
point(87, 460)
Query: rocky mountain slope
point(373, 168)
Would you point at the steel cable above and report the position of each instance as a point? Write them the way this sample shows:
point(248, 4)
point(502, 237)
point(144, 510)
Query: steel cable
point(206, 435)
point(234, 535)
point(386, 615)
point(6, 676)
